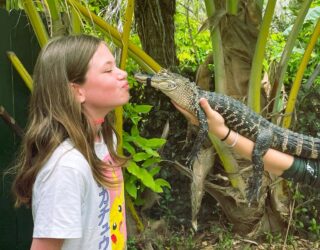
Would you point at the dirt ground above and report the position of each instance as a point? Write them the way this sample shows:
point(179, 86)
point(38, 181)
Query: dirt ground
point(169, 226)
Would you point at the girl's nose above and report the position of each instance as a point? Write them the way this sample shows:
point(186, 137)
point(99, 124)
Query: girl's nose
point(122, 74)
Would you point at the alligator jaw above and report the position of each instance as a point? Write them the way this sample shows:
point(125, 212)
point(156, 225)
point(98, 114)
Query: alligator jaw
point(143, 78)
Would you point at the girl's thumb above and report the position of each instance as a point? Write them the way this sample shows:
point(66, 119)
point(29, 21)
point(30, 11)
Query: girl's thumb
point(205, 105)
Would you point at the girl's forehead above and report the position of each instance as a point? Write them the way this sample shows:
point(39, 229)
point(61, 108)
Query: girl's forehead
point(102, 56)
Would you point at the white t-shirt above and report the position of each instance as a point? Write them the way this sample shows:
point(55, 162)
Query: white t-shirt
point(67, 203)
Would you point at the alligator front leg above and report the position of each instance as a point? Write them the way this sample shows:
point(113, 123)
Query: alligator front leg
point(261, 146)
point(201, 136)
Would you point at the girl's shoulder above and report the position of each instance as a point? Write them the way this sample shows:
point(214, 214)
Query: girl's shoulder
point(66, 156)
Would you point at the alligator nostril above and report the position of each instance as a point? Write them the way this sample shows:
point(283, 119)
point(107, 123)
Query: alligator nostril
point(149, 81)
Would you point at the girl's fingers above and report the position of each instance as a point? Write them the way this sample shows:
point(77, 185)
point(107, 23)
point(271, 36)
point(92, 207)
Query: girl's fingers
point(212, 115)
point(190, 117)
point(206, 107)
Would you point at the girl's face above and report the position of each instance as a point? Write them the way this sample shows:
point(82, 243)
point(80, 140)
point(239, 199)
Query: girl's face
point(106, 86)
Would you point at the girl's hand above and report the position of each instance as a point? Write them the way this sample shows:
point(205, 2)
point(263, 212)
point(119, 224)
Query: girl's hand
point(190, 117)
point(215, 120)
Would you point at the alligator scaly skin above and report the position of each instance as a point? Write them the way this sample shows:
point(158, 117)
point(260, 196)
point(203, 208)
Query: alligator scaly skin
point(265, 134)
point(239, 118)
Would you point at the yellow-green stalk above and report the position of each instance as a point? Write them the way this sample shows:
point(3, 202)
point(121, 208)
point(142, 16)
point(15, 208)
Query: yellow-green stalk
point(220, 76)
point(124, 54)
point(229, 164)
point(36, 22)
point(287, 51)
point(21, 69)
point(257, 62)
point(232, 6)
point(297, 81)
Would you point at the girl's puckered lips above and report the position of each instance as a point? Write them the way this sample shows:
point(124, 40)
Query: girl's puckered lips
point(125, 86)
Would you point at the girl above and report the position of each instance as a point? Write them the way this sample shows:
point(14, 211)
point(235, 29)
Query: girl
point(68, 169)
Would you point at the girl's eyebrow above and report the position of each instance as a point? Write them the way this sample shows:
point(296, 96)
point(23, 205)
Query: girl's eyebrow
point(108, 63)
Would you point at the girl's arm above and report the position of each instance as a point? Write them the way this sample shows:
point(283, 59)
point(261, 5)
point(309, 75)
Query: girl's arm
point(274, 161)
point(46, 244)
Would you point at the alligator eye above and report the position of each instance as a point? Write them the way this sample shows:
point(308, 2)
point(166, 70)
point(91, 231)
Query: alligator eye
point(171, 84)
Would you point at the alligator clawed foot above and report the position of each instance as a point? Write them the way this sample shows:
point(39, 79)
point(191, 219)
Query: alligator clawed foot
point(190, 161)
point(253, 190)
point(191, 158)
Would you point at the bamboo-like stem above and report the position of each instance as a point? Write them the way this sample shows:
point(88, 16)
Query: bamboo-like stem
point(257, 62)
point(220, 76)
point(10, 5)
point(52, 5)
point(36, 22)
point(229, 163)
point(58, 27)
point(123, 60)
point(232, 6)
point(287, 51)
point(134, 213)
point(126, 33)
point(75, 21)
point(20, 69)
point(119, 110)
point(297, 81)
point(134, 51)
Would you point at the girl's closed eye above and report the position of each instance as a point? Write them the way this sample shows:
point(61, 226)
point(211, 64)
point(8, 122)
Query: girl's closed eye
point(108, 70)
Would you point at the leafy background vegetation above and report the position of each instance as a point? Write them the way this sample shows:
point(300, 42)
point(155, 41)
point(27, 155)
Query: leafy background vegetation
point(192, 49)
point(143, 128)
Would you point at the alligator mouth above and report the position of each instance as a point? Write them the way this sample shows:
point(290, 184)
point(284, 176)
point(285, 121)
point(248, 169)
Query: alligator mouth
point(147, 79)
point(143, 78)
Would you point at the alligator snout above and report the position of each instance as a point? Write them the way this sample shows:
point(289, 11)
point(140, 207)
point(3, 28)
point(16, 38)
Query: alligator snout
point(143, 78)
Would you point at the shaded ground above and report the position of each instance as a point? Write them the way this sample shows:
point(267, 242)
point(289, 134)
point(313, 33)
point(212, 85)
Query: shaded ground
point(170, 226)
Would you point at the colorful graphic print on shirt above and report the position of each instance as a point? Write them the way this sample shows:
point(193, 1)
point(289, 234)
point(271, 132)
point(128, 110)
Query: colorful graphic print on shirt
point(117, 223)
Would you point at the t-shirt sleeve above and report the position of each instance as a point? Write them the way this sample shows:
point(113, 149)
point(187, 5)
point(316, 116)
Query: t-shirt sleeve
point(58, 203)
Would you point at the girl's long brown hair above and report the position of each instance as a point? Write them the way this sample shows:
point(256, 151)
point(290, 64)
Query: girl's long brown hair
point(56, 115)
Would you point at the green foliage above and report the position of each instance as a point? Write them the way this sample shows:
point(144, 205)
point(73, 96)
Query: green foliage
point(306, 212)
point(192, 47)
point(177, 241)
point(278, 38)
point(224, 236)
point(308, 110)
point(167, 198)
point(143, 168)
point(273, 238)
point(131, 243)
point(314, 227)
point(143, 165)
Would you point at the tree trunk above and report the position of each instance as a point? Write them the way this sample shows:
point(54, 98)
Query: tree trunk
point(155, 27)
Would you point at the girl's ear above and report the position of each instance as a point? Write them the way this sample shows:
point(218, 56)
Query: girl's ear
point(79, 92)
